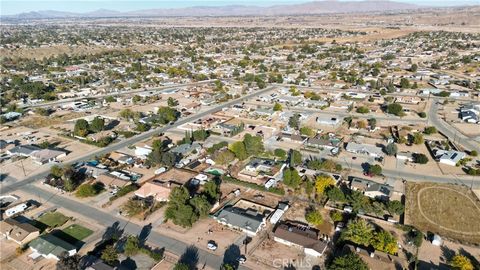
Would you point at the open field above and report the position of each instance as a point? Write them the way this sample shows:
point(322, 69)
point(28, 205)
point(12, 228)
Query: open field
point(448, 210)
point(53, 219)
point(77, 231)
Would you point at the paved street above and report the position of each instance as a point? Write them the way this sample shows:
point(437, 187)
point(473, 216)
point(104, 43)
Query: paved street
point(8, 186)
point(453, 134)
point(105, 219)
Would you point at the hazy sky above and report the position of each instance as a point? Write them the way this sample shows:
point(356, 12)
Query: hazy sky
point(8, 7)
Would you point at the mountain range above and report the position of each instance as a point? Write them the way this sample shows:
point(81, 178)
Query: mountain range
point(309, 8)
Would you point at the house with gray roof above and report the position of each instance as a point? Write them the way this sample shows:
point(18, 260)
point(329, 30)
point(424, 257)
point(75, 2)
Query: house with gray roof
point(364, 149)
point(50, 247)
point(247, 220)
point(371, 189)
point(23, 150)
point(186, 148)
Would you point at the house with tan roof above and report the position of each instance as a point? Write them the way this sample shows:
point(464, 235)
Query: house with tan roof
point(18, 232)
point(157, 189)
point(301, 236)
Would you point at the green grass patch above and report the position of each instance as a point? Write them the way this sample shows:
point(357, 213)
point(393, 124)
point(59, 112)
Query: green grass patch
point(53, 219)
point(78, 232)
point(275, 190)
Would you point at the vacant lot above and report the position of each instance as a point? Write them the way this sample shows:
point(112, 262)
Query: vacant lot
point(53, 219)
point(78, 232)
point(449, 210)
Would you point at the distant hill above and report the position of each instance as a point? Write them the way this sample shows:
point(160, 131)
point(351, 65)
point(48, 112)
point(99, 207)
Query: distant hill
point(317, 7)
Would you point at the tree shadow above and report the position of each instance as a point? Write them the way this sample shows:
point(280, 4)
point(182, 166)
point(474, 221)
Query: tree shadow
point(111, 124)
point(112, 232)
point(128, 263)
point(144, 233)
point(472, 258)
point(190, 257)
point(231, 255)
point(447, 253)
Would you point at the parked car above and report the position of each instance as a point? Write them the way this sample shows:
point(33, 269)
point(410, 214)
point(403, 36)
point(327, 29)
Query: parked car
point(242, 259)
point(212, 245)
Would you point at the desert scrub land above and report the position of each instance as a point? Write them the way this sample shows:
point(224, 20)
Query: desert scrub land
point(449, 210)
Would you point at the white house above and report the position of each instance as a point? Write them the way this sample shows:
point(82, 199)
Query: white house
point(450, 157)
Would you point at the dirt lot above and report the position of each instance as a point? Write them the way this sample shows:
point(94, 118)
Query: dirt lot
point(449, 210)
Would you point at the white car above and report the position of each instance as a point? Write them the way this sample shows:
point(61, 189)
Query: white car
point(212, 245)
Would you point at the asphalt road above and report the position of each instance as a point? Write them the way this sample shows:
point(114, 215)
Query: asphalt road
point(452, 133)
point(105, 219)
point(6, 186)
point(129, 92)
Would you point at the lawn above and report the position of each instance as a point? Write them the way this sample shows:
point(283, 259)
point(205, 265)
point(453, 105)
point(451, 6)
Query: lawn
point(449, 210)
point(78, 232)
point(53, 219)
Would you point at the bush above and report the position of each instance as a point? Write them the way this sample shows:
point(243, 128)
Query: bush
point(88, 190)
point(430, 130)
point(420, 158)
point(336, 216)
point(124, 191)
point(473, 153)
point(395, 109)
point(422, 114)
point(363, 110)
point(314, 217)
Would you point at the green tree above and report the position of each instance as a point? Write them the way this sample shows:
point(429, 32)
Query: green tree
point(110, 99)
point(375, 169)
point(56, 171)
point(363, 110)
point(430, 130)
point(238, 148)
point(414, 68)
point(391, 149)
point(109, 255)
point(307, 131)
point(132, 245)
point(473, 153)
point(295, 158)
point(404, 83)
point(277, 107)
point(350, 261)
point(314, 217)
point(395, 207)
point(335, 194)
point(418, 138)
point(212, 190)
point(420, 158)
point(172, 102)
point(253, 144)
point(201, 205)
point(67, 262)
point(336, 216)
point(81, 128)
point(280, 153)
point(359, 232)
point(291, 177)
point(224, 157)
point(97, 125)
point(294, 121)
point(395, 109)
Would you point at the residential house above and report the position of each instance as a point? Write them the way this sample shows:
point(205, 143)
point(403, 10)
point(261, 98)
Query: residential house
point(23, 150)
point(249, 221)
point(51, 247)
point(371, 189)
point(407, 156)
point(18, 232)
point(157, 189)
point(47, 156)
point(329, 120)
point(364, 149)
point(450, 157)
point(301, 236)
point(186, 149)
point(324, 142)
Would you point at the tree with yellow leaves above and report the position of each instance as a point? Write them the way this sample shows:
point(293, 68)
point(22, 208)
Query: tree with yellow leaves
point(460, 262)
point(322, 182)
